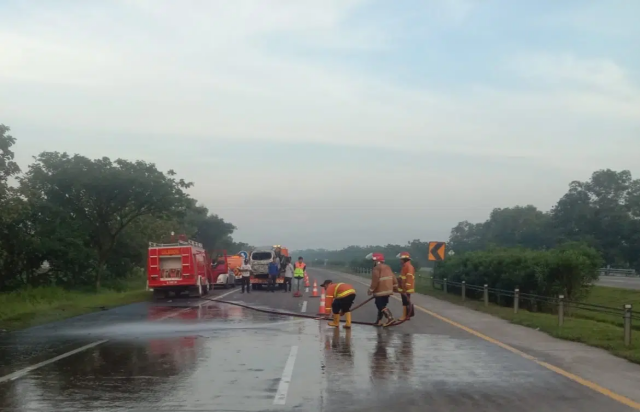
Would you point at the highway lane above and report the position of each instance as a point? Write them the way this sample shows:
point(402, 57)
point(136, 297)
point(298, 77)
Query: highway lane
point(210, 356)
point(619, 282)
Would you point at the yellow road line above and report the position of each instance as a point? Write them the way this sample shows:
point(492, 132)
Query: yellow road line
point(584, 382)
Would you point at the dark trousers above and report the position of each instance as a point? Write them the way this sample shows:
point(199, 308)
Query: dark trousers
point(343, 304)
point(406, 299)
point(246, 281)
point(272, 283)
point(381, 304)
point(287, 284)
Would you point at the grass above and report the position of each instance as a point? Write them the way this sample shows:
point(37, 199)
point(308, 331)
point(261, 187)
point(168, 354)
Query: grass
point(591, 328)
point(34, 306)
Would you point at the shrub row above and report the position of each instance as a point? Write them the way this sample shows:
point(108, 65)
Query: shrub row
point(569, 269)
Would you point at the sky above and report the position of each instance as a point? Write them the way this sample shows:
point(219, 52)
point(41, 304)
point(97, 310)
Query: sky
point(326, 123)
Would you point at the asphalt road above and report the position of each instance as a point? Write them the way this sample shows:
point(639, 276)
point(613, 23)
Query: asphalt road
point(619, 282)
point(202, 355)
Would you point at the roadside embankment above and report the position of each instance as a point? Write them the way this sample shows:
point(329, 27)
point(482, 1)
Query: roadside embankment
point(30, 307)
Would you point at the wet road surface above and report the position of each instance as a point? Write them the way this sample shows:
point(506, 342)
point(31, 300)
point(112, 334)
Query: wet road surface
point(203, 355)
point(623, 282)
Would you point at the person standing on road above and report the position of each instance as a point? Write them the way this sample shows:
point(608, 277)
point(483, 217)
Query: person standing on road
point(343, 296)
point(406, 285)
point(274, 272)
point(383, 284)
point(299, 271)
point(288, 275)
point(245, 271)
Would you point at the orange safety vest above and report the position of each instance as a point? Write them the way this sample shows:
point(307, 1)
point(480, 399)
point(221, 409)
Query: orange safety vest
point(407, 278)
point(340, 290)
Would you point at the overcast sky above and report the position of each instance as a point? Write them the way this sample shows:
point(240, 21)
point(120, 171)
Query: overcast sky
point(333, 122)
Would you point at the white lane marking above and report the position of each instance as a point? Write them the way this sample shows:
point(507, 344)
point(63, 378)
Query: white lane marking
point(304, 307)
point(22, 372)
point(283, 388)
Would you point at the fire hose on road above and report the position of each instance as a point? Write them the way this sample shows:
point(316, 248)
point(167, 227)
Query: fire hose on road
point(302, 315)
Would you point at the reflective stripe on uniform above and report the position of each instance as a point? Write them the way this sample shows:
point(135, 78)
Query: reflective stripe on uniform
point(342, 294)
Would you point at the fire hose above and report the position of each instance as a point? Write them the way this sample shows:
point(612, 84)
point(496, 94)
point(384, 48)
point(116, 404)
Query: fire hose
point(302, 315)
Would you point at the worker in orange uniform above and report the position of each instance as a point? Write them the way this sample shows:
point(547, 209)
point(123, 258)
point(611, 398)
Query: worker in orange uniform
point(343, 296)
point(406, 285)
point(383, 284)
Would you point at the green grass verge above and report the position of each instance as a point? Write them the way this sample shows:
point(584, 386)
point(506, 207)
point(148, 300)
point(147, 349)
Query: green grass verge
point(30, 307)
point(591, 328)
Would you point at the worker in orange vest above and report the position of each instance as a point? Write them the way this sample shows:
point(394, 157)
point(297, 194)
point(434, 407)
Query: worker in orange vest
point(298, 271)
point(406, 285)
point(343, 296)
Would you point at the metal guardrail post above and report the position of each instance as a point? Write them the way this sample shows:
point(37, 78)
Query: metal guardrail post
point(486, 295)
point(627, 324)
point(464, 290)
point(516, 300)
point(560, 310)
point(444, 285)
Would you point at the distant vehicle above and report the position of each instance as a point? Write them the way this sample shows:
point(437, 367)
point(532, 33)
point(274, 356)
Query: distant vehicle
point(260, 258)
point(177, 268)
point(223, 269)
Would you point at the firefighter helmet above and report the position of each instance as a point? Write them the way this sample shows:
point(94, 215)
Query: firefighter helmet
point(375, 256)
point(404, 255)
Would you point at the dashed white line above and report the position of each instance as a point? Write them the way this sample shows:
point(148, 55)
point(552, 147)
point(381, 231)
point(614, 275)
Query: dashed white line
point(287, 374)
point(304, 306)
point(22, 372)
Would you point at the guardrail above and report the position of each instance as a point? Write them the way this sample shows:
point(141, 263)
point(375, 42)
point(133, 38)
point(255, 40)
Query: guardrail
point(517, 299)
point(618, 272)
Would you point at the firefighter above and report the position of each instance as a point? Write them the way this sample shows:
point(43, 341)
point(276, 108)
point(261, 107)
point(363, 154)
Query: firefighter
point(343, 296)
point(383, 284)
point(406, 285)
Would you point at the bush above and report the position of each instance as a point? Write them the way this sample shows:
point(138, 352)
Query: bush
point(568, 269)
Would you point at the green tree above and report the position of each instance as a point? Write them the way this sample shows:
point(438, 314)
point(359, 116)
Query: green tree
point(604, 212)
point(98, 199)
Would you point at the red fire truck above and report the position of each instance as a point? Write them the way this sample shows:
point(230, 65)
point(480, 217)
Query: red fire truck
point(179, 267)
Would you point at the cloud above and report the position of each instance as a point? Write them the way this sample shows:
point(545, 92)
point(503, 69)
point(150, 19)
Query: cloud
point(456, 101)
point(568, 71)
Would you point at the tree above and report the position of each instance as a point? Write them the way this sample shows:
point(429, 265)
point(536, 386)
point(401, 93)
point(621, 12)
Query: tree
point(605, 213)
point(524, 226)
point(16, 246)
point(98, 199)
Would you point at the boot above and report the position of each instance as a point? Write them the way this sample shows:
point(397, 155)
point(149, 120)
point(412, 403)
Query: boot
point(379, 320)
point(389, 316)
point(347, 325)
point(336, 320)
point(405, 315)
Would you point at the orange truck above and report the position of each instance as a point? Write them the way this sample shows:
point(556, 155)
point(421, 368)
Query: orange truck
point(179, 267)
point(225, 269)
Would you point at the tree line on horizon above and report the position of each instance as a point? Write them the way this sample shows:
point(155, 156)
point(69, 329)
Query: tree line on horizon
point(92, 220)
point(597, 222)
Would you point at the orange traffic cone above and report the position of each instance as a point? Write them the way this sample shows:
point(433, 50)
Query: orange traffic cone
point(322, 310)
point(306, 281)
point(314, 293)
